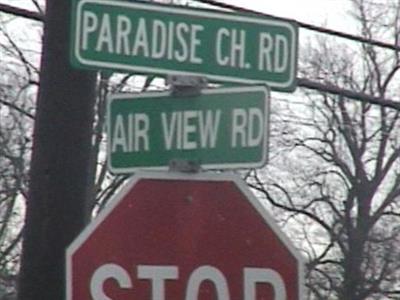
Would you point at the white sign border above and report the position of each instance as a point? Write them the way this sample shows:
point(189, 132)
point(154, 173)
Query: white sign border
point(204, 176)
point(243, 165)
point(291, 82)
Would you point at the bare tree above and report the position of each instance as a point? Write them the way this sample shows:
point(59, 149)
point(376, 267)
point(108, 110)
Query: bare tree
point(18, 87)
point(337, 173)
point(18, 82)
point(335, 165)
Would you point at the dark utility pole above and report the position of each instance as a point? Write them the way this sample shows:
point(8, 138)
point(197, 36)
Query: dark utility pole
point(59, 175)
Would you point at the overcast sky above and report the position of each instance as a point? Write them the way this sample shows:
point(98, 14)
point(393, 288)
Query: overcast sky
point(333, 14)
point(330, 13)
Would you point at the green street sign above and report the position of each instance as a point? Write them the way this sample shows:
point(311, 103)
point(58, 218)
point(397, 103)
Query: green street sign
point(221, 128)
point(163, 39)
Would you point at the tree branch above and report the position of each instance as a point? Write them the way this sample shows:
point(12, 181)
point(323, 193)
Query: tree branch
point(20, 12)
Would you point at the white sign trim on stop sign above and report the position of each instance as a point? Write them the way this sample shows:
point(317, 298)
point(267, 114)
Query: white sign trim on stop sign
point(215, 177)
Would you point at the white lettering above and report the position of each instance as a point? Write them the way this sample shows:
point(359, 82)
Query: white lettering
point(247, 127)
point(221, 34)
point(90, 24)
point(239, 121)
point(155, 39)
point(141, 40)
point(281, 53)
point(105, 272)
point(119, 135)
point(238, 44)
point(208, 128)
point(105, 37)
point(158, 39)
point(207, 273)
point(169, 129)
point(254, 276)
point(255, 133)
point(124, 28)
point(194, 43)
point(182, 55)
point(131, 134)
point(142, 124)
point(265, 52)
point(189, 128)
point(170, 39)
point(157, 275)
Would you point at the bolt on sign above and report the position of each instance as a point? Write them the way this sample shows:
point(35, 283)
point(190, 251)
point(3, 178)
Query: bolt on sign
point(184, 237)
point(163, 39)
point(221, 128)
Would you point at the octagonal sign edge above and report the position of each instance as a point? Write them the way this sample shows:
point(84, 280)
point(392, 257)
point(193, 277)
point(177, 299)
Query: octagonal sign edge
point(202, 230)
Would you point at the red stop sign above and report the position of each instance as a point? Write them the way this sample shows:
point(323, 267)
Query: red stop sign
point(183, 237)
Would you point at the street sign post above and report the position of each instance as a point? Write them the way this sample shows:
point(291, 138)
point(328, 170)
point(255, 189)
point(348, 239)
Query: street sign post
point(169, 236)
point(150, 38)
point(221, 128)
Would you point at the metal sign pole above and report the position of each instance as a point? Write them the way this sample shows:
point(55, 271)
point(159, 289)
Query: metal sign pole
point(186, 85)
point(182, 86)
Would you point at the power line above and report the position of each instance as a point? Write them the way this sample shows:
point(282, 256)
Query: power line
point(302, 82)
point(20, 12)
point(314, 85)
point(332, 89)
point(38, 17)
point(302, 24)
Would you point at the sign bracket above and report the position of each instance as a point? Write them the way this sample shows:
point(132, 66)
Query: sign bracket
point(224, 46)
point(223, 128)
point(182, 86)
point(190, 225)
point(184, 166)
